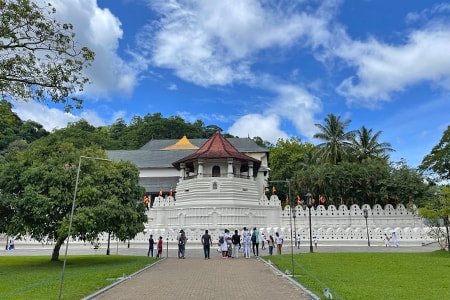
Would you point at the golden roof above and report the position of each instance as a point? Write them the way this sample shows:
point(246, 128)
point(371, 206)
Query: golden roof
point(181, 144)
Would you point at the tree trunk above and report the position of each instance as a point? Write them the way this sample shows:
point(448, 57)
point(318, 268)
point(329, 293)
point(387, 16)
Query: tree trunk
point(55, 254)
point(448, 236)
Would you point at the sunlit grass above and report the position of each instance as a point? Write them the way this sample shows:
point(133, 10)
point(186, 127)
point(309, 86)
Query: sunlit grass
point(372, 275)
point(36, 277)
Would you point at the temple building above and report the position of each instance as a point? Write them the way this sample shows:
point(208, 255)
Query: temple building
point(159, 176)
point(220, 183)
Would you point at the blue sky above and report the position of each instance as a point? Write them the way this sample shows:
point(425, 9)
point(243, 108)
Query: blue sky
point(267, 68)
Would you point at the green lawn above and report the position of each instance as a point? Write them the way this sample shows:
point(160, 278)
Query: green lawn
point(372, 275)
point(348, 275)
point(35, 277)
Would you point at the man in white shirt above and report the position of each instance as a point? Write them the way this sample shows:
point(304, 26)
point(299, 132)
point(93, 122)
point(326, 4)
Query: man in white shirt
point(278, 242)
point(246, 240)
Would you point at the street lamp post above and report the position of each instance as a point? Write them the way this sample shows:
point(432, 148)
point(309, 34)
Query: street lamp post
point(295, 228)
point(288, 181)
point(366, 215)
point(71, 217)
point(309, 204)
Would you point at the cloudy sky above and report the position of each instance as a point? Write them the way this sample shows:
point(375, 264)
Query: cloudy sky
point(268, 68)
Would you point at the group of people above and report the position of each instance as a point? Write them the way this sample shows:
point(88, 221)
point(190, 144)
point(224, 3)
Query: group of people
point(387, 240)
point(151, 246)
point(230, 245)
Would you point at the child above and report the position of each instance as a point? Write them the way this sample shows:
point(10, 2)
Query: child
point(160, 244)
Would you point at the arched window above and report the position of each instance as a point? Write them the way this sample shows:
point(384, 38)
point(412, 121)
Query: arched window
point(216, 171)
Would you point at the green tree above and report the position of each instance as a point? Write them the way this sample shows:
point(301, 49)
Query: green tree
point(9, 124)
point(438, 161)
point(437, 212)
point(38, 186)
point(366, 145)
point(39, 57)
point(337, 141)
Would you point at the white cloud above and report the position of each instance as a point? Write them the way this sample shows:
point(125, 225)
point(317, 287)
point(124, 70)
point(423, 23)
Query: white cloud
point(52, 118)
point(264, 126)
point(214, 42)
point(292, 104)
point(172, 87)
point(100, 31)
point(298, 106)
point(383, 69)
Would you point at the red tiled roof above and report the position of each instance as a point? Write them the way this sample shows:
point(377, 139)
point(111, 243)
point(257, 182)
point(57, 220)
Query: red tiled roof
point(217, 147)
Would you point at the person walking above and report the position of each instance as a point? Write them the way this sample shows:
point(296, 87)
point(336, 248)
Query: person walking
point(270, 243)
point(160, 246)
point(236, 244)
point(11, 244)
point(386, 240)
point(315, 241)
point(255, 241)
point(394, 239)
point(246, 239)
point(181, 244)
point(298, 239)
point(207, 243)
point(263, 240)
point(278, 242)
point(151, 245)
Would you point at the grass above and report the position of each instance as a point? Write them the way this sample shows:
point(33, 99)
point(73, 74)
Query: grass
point(372, 275)
point(36, 277)
point(348, 275)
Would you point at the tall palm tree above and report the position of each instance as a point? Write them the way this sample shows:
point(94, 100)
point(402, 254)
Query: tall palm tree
point(337, 142)
point(366, 145)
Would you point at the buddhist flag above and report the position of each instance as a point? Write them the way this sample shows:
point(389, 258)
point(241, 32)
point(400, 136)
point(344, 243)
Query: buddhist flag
point(160, 191)
point(171, 191)
point(299, 201)
point(322, 200)
point(287, 199)
point(273, 190)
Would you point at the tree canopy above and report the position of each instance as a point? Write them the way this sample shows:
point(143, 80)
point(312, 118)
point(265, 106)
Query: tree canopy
point(348, 167)
point(37, 191)
point(438, 161)
point(39, 57)
point(336, 145)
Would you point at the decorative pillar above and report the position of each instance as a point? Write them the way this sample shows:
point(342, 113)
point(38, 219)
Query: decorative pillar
point(230, 167)
point(182, 171)
point(250, 169)
point(200, 168)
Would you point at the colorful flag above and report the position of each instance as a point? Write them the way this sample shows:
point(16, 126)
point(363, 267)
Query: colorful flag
point(171, 191)
point(287, 199)
point(299, 201)
point(274, 190)
point(322, 200)
point(160, 191)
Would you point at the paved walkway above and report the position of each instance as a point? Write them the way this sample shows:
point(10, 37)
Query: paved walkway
point(216, 278)
point(197, 278)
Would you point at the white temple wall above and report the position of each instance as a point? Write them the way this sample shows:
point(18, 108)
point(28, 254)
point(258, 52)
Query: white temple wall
point(331, 224)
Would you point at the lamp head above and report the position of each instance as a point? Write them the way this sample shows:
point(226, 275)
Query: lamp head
point(308, 200)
